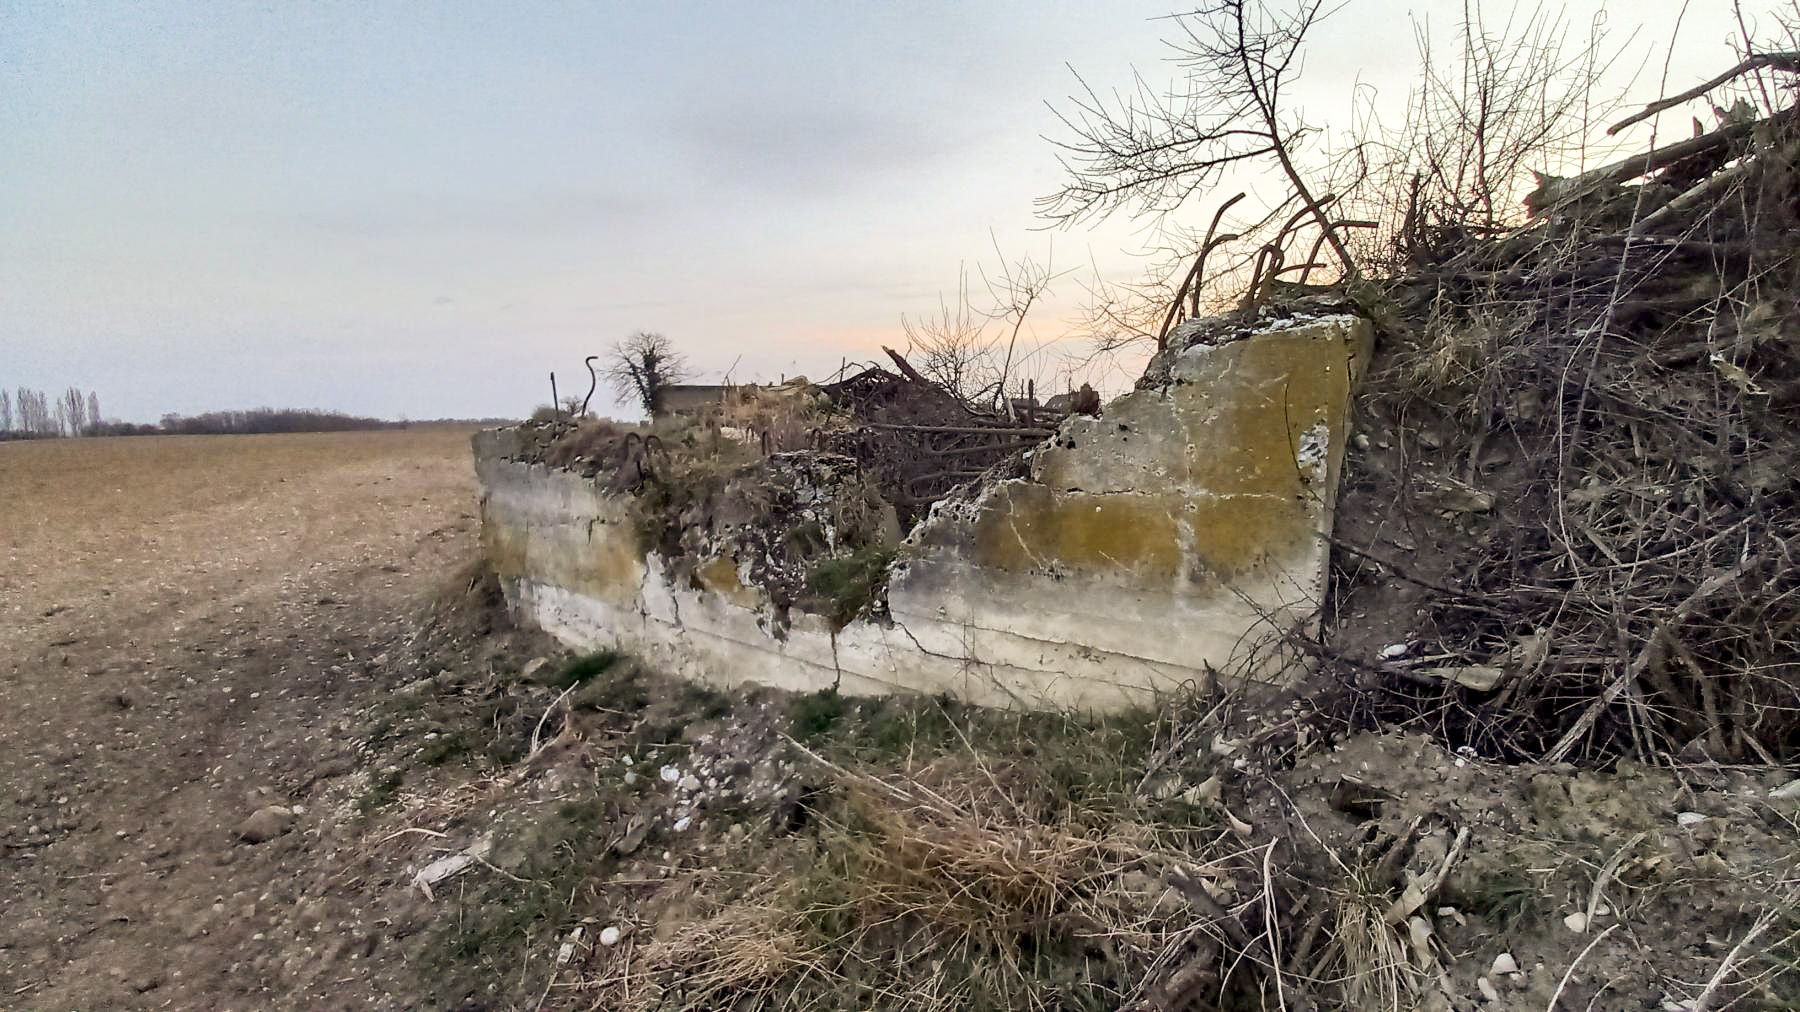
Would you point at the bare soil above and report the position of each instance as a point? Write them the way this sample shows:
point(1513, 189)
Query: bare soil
point(190, 628)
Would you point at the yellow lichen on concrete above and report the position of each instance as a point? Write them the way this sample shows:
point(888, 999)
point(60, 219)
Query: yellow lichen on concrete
point(1151, 539)
point(1030, 527)
point(1198, 486)
point(503, 545)
point(1262, 396)
point(607, 564)
point(720, 576)
point(1234, 536)
point(602, 560)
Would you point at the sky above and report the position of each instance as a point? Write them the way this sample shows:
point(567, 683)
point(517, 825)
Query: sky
point(421, 209)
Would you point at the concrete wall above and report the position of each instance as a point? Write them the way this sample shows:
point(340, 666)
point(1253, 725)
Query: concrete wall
point(1176, 535)
point(692, 399)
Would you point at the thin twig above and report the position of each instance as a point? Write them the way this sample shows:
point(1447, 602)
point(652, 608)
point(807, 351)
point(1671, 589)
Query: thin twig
point(1570, 972)
point(1607, 872)
point(1731, 961)
point(536, 731)
point(1270, 925)
point(1651, 653)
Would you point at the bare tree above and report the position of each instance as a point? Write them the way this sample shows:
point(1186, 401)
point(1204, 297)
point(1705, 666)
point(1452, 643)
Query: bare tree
point(34, 413)
point(642, 367)
point(93, 409)
point(973, 350)
point(1150, 151)
point(950, 349)
point(1513, 96)
point(1509, 100)
point(1015, 288)
point(6, 414)
point(1118, 314)
point(71, 409)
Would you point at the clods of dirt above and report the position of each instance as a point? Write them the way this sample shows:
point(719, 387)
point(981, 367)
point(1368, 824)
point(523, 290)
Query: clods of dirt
point(266, 824)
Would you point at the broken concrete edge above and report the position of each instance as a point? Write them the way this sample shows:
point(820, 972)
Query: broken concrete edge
point(1180, 534)
point(800, 530)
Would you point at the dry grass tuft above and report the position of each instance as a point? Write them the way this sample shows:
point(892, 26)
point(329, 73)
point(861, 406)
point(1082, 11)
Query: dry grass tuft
point(1457, 350)
point(970, 863)
point(594, 440)
point(1376, 972)
point(996, 896)
point(963, 883)
point(742, 956)
point(779, 418)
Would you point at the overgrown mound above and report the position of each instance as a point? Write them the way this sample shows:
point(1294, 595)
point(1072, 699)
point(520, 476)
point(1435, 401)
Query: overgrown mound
point(799, 491)
point(728, 507)
point(918, 438)
point(1593, 431)
point(792, 524)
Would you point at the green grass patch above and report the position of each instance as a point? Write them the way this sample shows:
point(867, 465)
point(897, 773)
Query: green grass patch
point(704, 701)
point(382, 790)
point(1077, 760)
point(393, 719)
point(844, 587)
point(584, 669)
point(488, 930)
point(447, 746)
point(1505, 894)
point(902, 727)
point(812, 716)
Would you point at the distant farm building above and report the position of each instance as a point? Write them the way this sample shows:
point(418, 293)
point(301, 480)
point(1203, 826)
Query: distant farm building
point(691, 399)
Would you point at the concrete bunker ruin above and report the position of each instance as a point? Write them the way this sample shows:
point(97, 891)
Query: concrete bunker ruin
point(1179, 535)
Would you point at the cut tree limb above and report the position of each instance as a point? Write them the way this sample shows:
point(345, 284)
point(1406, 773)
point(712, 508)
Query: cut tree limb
point(1560, 192)
point(1700, 197)
point(905, 366)
point(1789, 62)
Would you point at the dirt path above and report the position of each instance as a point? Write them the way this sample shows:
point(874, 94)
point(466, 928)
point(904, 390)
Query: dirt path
point(189, 627)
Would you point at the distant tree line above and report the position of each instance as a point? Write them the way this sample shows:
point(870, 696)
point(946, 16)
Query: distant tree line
point(267, 420)
point(30, 414)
